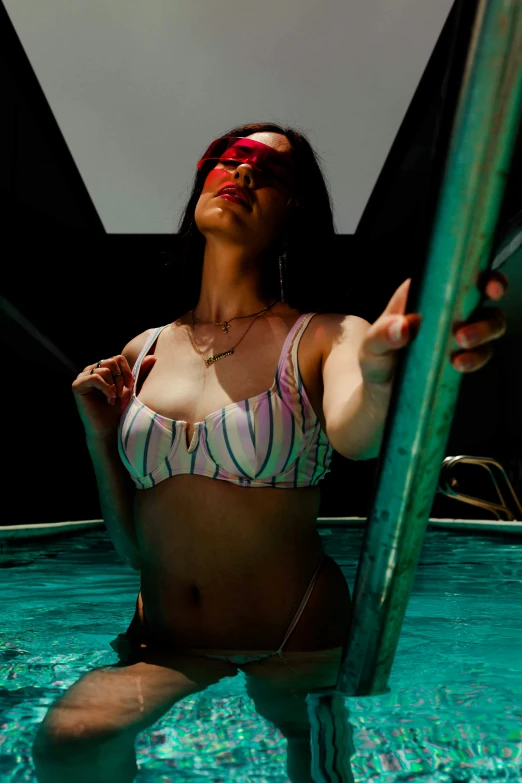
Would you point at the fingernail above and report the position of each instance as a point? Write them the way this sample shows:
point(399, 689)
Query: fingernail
point(464, 363)
point(496, 289)
point(395, 330)
point(467, 337)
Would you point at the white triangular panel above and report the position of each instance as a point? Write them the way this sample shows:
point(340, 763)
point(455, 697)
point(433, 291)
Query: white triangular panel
point(140, 89)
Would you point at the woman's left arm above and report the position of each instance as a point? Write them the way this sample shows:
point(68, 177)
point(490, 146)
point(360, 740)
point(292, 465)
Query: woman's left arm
point(359, 368)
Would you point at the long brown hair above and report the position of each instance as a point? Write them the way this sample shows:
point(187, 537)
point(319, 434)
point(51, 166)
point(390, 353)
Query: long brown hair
point(309, 275)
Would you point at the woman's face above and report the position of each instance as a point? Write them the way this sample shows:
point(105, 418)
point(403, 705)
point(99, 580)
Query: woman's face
point(259, 225)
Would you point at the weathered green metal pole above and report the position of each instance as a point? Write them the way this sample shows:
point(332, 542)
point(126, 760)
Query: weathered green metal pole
point(426, 388)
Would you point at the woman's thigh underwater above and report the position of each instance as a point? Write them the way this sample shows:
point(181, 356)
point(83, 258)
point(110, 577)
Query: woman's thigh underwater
point(119, 700)
point(279, 687)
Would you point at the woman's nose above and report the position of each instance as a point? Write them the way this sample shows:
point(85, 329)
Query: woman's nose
point(245, 173)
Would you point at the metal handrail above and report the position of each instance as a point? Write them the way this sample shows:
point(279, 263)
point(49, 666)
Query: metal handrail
point(447, 485)
point(426, 385)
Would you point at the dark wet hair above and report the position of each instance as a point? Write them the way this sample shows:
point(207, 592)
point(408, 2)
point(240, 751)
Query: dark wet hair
point(309, 278)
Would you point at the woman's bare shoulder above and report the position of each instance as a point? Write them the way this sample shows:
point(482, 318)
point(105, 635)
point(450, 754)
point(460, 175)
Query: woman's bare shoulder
point(134, 347)
point(336, 324)
point(339, 329)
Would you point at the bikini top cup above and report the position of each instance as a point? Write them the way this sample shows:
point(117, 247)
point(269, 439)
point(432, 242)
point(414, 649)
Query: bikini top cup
point(271, 440)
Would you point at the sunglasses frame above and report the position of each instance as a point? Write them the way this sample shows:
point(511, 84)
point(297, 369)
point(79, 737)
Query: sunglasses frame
point(228, 142)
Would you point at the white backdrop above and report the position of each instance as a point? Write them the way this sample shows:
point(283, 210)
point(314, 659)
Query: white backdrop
point(140, 89)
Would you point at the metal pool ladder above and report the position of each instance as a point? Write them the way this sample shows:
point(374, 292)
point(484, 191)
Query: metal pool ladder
point(448, 486)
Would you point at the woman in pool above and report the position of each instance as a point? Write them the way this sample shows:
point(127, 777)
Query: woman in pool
point(215, 500)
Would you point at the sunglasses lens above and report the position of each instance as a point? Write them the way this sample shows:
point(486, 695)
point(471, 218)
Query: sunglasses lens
point(233, 150)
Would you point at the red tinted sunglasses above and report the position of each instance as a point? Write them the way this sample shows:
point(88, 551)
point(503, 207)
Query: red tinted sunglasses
point(233, 150)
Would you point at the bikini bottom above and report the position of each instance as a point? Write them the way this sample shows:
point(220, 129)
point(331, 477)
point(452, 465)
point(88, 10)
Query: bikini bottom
point(139, 636)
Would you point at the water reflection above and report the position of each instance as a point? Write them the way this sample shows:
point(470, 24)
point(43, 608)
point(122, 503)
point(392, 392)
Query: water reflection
point(453, 711)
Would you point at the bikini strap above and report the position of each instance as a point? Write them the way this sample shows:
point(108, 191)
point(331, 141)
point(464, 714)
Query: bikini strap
point(295, 345)
point(285, 351)
point(303, 604)
point(137, 364)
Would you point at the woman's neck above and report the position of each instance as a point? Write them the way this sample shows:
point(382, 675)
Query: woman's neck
point(231, 287)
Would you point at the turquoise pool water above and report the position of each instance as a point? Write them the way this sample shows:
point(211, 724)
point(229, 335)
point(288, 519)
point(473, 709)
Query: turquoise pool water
point(453, 713)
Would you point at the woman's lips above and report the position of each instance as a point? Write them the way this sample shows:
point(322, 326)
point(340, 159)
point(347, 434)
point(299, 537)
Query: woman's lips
point(235, 199)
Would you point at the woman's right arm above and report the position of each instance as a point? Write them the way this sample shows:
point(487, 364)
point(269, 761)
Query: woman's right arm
point(101, 397)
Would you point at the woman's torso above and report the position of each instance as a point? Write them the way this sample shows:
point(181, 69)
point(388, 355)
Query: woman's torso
point(223, 565)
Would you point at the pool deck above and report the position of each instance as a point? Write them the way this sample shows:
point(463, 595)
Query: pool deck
point(25, 532)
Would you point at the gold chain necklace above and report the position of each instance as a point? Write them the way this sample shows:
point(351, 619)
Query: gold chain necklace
point(230, 351)
point(225, 324)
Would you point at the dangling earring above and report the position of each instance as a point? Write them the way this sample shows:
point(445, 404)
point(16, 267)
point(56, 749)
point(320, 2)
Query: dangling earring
point(282, 262)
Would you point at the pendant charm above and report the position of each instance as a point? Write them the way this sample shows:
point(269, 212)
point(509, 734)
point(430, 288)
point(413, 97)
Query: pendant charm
point(225, 327)
point(216, 358)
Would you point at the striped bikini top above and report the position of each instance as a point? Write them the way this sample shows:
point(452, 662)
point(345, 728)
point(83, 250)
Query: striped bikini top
point(271, 440)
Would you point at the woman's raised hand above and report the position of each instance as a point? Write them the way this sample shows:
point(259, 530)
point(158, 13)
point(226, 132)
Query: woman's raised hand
point(394, 330)
point(102, 393)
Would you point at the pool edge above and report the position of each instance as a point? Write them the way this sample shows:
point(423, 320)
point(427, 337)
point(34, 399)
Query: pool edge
point(58, 528)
